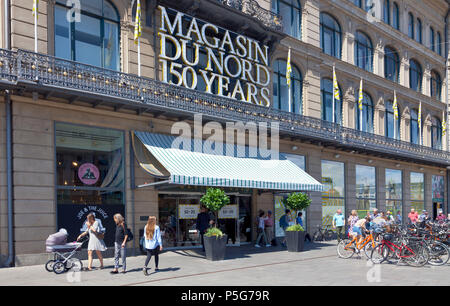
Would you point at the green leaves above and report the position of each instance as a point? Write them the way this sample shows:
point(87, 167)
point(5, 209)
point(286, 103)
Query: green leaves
point(215, 199)
point(297, 201)
point(295, 228)
point(213, 232)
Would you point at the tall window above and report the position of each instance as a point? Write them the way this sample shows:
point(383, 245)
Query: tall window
point(395, 16)
point(415, 76)
point(394, 191)
point(326, 87)
point(367, 114)
point(419, 31)
point(281, 89)
point(358, 3)
point(436, 133)
point(411, 25)
point(439, 43)
point(90, 175)
point(363, 51)
point(330, 35)
point(94, 40)
point(387, 11)
point(366, 189)
point(432, 42)
point(391, 64)
point(392, 126)
point(414, 125)
point(436, 85)
point(417, 191)
point(291, 13)
point(438, 190)
point(333, 196)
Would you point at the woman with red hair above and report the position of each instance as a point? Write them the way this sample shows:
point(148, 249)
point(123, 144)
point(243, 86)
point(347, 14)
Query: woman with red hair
point(152, 242)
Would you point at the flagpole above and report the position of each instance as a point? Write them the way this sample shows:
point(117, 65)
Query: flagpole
point(139, 56)
point(360, 107)
point(395, 115)
point(36, 27)
point(334, 99)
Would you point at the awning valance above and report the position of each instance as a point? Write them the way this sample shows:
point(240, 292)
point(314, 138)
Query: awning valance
point(157, 154)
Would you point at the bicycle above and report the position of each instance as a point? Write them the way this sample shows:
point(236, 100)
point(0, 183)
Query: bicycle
point(323, 234)
point(347, 248)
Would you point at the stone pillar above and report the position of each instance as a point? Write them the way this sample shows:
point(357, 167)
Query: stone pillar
point(378, 63)
point(378, 114)
point(428, 198)
point(381, 188)
point(349, 106)
point(350, 188)
point(314, 212)
point(406, 190)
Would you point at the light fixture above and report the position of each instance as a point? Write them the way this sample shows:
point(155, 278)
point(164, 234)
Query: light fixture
point(370, 161)
point(421, 169)
point(397, 165)
point(294, 148)
point(337, 155)
point(75, 164)
point(441, 172)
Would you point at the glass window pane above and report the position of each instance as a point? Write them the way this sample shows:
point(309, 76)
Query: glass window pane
point(394, 184)
point(62, 34)
point(111, 46)
point(333, 197)
point(438, 188)
point(417, 186)
point(88, 42)
point(92, 6)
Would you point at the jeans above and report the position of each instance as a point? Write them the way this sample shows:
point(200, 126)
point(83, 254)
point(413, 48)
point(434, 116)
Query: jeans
point(269, 233)
point(340, 230)
point(154, 252)
point(120, 252)
point(261, 233)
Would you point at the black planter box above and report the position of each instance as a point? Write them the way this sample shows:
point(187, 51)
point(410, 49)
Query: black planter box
point(215, 247)
point(295, 241)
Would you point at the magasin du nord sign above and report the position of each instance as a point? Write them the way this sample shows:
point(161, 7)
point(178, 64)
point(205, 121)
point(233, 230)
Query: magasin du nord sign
point(236, 65)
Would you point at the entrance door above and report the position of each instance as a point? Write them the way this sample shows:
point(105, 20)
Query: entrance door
point(244, 221)
point(188, 209)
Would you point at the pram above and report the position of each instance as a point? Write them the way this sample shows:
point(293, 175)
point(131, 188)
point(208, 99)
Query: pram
point(63, 253)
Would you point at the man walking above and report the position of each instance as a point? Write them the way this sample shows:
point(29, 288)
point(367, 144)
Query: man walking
point(269, 227)
point(339, 224)
point(203, 223)
point(284, 224)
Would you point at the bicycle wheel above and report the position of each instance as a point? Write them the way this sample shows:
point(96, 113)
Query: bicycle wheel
point(317, 236)
point(439, 253)
point(415, 255)
point(379, 254)
point(368, 248)
point(328, 235)
point(49, 265)
point(74, 264)
point(345, 249)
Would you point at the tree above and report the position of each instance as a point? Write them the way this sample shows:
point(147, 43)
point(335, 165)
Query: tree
point(214, 199)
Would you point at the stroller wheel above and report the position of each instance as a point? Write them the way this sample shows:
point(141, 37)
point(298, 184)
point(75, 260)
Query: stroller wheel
point(74, 264)
point(49, 265)
point(59, 267)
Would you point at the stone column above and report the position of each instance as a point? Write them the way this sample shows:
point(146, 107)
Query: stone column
point(406, 190)
point(350, 188)
point(349, 106)
point(314, 212)
point(381, 188)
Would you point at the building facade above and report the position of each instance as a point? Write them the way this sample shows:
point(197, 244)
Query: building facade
point(78, 102)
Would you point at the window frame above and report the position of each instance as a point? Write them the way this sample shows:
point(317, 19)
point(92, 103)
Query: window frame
point(278, 74)
point(367, 46)
point(369, 111)
point(336, 33)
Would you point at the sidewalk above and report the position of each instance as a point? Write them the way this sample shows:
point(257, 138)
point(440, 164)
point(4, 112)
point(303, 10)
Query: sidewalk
point(246, 265)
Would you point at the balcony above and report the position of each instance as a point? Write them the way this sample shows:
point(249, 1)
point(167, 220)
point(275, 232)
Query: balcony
point(26, 72)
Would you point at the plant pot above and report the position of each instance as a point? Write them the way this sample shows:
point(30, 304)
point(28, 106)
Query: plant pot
point(215, 247)
point(295, 241)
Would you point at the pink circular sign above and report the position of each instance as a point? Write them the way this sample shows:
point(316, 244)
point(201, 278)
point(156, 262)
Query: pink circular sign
point(88, 173)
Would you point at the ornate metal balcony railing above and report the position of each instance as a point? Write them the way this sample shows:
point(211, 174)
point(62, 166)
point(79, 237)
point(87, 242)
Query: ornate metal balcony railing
point(38, 72)
point(253, 9)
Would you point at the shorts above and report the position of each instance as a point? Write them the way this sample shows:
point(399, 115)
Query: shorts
point(357, 230)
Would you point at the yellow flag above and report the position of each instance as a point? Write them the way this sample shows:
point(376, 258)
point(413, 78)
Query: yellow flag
point(288, 69)
point(419, 119)
point(395, 106)
point(361, 95)
point(35, 7)
point(335, 86)
point(137, 24)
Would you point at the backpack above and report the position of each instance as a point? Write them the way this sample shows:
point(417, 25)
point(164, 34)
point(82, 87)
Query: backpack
point(282, 222)
point(128, 233)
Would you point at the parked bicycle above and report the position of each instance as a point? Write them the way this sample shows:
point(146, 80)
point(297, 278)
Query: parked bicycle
point(323, 233)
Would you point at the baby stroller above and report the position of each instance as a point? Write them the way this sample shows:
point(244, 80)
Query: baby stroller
point(63, 253)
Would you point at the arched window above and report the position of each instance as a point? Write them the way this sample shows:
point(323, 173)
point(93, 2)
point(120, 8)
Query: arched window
point(411, 25)
point(281, 89)
point(439, 43)
point(432, 42)
point(415, 76)
point(436, 133)
point(392, 126)
point(363, 51)
point(436, 85)
point(419, 31)
point(395, 16)
point(387, 11)
point(414, 124)
point(326, 88)
point(291, 13)
point(94, 40)
point(391, 64)
point(367, 114)
point(330, 35)
point(358, 3)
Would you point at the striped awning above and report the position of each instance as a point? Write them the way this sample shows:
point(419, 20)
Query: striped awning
point(183, 161)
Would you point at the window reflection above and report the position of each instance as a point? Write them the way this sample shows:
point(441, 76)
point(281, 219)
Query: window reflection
point(333, 196)
point(394, 191)
point(365, 189)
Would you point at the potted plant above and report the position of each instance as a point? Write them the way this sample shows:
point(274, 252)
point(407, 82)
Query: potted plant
point(295, 234)
point(215, 240)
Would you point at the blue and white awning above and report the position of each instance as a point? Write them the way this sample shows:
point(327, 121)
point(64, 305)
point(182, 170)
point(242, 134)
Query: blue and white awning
point(161, 156)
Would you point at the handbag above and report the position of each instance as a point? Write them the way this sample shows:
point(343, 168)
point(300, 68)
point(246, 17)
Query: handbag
point(100, 235)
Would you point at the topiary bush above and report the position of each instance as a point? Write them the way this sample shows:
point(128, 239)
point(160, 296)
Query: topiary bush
point(295, 228)
point(214, 199)
point(297, 201)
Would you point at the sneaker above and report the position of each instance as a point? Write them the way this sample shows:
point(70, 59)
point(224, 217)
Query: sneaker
point(145, 271)
point(268, 245)
point(156, 269)
point(257, 246)
point(114, 272)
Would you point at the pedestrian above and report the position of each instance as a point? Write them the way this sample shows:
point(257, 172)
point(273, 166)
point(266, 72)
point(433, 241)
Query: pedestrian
point(339, 224)
point(358, 229)
point(390, 217)
point(203, 223)
point(261, 219)
point(413, 216)
point(398, 217)
point(152, 243)
point(352, 219)
point(96, 242)
point(441, 217)
point(299, 221)
point(284, 224)
point(268, 226)
point(120, 244)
